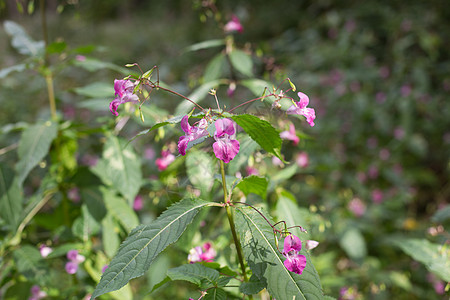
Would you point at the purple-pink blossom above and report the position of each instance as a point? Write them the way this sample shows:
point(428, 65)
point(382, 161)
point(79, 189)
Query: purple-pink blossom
point(203, 253)
point(45, 250)
point(234, 25)
point(138, 203)
point(290, 134)
point(294, 261)
point(357, 207)
point(300, 108)
point(74, 260)
point(37, 293)
point(302, 159)
point(124, 93)
point(226, 147)
point(377, 196)
point(311, 244)
point(165, 160)
point(192, 133)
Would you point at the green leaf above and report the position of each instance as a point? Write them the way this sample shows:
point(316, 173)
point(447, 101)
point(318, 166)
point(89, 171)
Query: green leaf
point(253, 286)
point(253, 184)
point(16, 68)
point(85, 226)
point(120, 167)
point(242, 62)
point(435, 257)
point(261, 132)
point(215, 68)
point(93, 198)
point(354, 244)
point(266, 261)
point(256, 86)
point(441, 215)
point(205, 45)
point(21, 41)
point(120, 209)
point(96, 90)
point(288, 211)
point(29, 263)
point(144, 243)
point(198, 274)
point(56, 47)
point(34, 146)
point(92, 65)
point(110, 236)
point(216, 294)
point(11, 197)
point(200, 170)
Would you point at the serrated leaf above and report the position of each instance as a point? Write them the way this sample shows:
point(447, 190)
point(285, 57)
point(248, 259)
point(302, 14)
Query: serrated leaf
point(253, 286)
point(96, 90)
point(215, 68)
point(205, 45)
point(261, 132)
point(242, 62)
point(216, 294)
point(288, 211)
point(253, 184)
point(21, 41)
point(144, 243)
point(265, 260)
point(10, 197)
point(198, 274)
point(200, 170)
point(435, 257)
point(34, 146)
point(120, 167)
point(120, 209)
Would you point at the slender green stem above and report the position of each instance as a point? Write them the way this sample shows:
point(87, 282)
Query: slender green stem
point(230, 216)
point(51, 95)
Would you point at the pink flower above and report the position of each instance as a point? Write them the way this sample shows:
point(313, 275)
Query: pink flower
point(276, 161)
point(311, 244)
point(36, 293)
point(302, 159)
point(204, 253)
point(405, 90)
point(290, 135)
point(45, 251)
point(74, 260)
point(399, 133)
point(373, 172)
point(357, 207)
point(124, 93)
point(377, 196)
point(104, 268)
point(234, 25)
point(295, 262)
point(71, 267)
point(165, 160)
point(74, 195)
point(300, 108)
point(149, 153)
point(226, 147)
point(192, 133)
point(138, 203)
point(80, 57)
point(384, 154)
point(251, 171)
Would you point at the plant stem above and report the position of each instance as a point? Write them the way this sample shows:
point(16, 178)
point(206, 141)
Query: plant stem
point(51, 95)
point(237, 242)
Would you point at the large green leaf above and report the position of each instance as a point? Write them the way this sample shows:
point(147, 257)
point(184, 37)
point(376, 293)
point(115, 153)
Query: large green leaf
point(34, 146)
point(200, 170)
point(288, 211)
point(96, 90)
point(242, 62)
point(266, 261)
point(144, 243)
point(120, 167)
point(261, 132)
point(21, 41)
point(253, 184)
point(435, 257)
point(198, 274)
point(10, 197)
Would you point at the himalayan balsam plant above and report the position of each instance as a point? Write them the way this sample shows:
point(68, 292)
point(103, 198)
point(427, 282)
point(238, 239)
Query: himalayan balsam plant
point(269, 254)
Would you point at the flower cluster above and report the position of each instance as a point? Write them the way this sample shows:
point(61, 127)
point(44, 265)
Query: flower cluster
point(165, 160)
point(226, 146)
point(74, 260)
point(294, 262)
point(204, 253)
point(124, 93)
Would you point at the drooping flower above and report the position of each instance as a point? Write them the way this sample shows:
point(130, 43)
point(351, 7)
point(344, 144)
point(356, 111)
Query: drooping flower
point(300, 108)
point(192, 133)
point(226, 147)
point(203, 253)
point(138, 203)
point(165, 160)
point(234, 25)
point(290, 135)
point(45, 250)
point(124, 93)
point(294, 262)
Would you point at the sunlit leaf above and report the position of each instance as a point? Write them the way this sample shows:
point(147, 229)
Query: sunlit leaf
point(242, 62)
point(34, 146)
point(198, 274)
point(97, 90)
point(253, 184)
point(266, 261)
point(353, 243)
point(10, 197)
point(144, 243)
point(205, 45)
point(288, 211)
point(253, 286)
point(200, 170)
